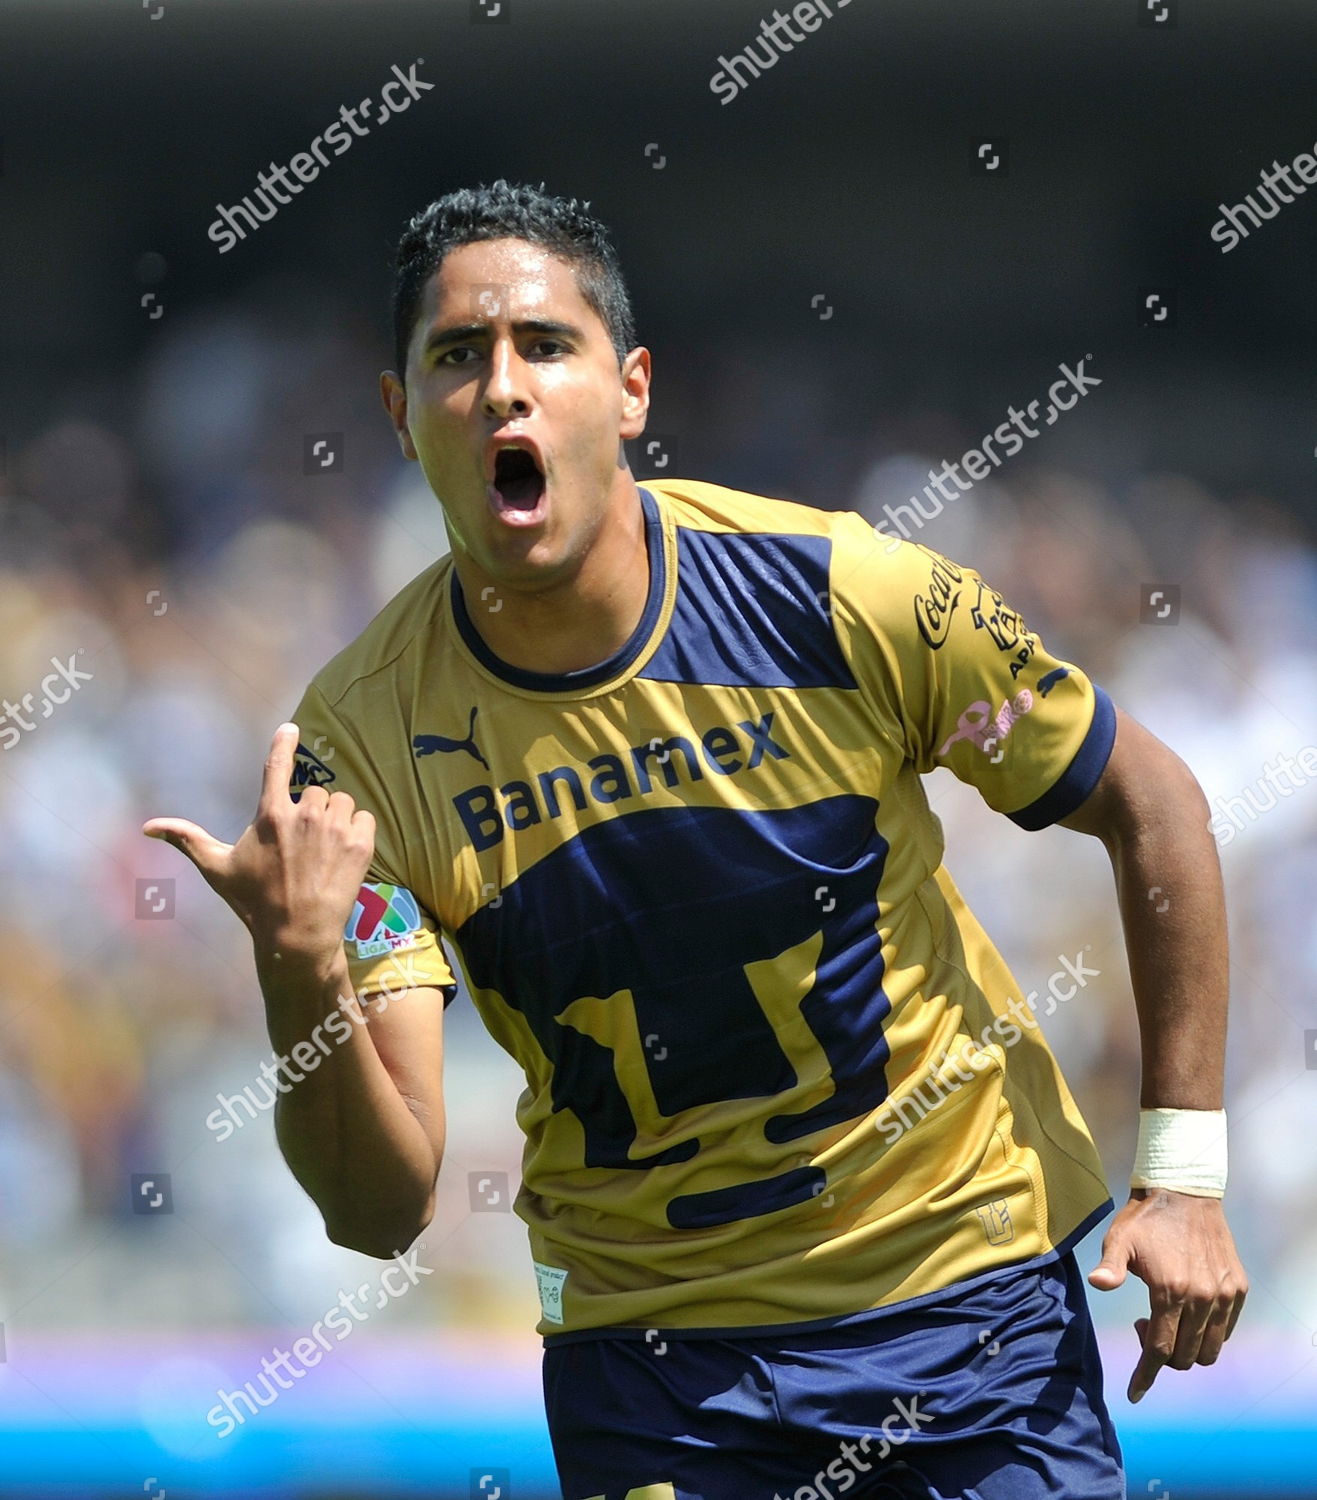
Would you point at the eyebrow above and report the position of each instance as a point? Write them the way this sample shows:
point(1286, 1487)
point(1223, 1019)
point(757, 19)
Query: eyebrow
point(460, 332)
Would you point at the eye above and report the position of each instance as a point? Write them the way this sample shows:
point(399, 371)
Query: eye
point(552, 344)
point(447, 356)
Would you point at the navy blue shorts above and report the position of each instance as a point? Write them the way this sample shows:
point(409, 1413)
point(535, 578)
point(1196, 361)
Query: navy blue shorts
point(989, 1391)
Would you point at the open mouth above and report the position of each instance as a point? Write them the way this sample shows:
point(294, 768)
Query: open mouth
point(517, 492)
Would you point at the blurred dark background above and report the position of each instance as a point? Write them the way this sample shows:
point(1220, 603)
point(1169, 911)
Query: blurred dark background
point(843, 170)
point(838, 295)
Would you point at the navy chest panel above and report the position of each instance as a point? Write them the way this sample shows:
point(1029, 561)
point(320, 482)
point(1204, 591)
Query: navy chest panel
point(669, 911)
point(752, 610)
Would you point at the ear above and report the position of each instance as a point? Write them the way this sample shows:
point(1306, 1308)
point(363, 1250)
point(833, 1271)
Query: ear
point(394, 395)
point(635, 393)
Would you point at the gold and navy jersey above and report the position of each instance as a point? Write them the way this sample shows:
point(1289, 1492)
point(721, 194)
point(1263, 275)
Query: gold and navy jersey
point(696, 890)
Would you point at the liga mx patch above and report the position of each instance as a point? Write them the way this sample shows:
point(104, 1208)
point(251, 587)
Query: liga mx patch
point(308, 770)
point(384, 918)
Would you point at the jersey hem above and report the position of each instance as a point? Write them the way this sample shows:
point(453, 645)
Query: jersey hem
point(844, 1320)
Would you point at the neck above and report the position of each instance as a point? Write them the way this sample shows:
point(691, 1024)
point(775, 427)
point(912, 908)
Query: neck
point(575, 623)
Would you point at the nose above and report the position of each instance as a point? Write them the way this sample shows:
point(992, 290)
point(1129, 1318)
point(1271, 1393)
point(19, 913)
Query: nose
point(507, 389)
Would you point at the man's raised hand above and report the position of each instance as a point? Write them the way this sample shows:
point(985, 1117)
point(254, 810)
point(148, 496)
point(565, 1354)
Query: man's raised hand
point(294, 873)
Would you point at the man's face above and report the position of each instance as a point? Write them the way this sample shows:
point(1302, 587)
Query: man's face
point(480, 374)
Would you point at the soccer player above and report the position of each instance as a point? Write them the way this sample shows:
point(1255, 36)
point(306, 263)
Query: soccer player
point(802, 1178)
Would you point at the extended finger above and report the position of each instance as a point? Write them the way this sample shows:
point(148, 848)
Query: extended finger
point(1158, 1338)
point(279, 767)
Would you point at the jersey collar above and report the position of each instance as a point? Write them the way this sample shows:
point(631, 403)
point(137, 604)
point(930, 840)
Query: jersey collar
point(600, 672)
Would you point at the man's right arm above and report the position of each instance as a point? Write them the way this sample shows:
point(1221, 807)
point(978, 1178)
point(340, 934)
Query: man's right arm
point(363, 1131)
point(361, 1123)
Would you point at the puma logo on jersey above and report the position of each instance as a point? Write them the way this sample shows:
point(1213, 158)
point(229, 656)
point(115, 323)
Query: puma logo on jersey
point(428, 744)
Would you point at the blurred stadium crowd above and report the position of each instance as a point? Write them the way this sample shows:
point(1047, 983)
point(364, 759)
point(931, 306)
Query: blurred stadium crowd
point(201, 576)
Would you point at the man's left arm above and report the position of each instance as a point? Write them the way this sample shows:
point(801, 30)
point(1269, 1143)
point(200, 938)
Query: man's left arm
point(1152, 816)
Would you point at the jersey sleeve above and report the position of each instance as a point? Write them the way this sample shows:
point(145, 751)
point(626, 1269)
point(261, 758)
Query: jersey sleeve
point(959, 680)
point(390, 941)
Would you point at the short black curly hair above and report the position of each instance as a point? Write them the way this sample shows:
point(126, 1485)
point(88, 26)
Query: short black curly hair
point(503, 210)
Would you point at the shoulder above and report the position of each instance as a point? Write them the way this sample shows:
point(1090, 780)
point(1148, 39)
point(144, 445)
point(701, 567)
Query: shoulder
point(906, 587)
point(699, 505)
point(352, 735)
point(702, 506)
point(866, 579)
point(385, 648)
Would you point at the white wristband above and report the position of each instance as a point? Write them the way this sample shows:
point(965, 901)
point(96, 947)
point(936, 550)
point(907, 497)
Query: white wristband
point(1182, 1149)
